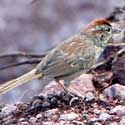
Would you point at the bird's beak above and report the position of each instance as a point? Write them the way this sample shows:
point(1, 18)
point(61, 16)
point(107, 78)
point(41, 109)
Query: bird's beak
point(116, 30)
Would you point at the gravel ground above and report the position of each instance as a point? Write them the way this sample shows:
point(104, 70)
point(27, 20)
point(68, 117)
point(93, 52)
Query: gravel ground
point(98, 100)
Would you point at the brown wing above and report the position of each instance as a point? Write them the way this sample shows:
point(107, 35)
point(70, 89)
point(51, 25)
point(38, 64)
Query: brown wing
point(71, 56)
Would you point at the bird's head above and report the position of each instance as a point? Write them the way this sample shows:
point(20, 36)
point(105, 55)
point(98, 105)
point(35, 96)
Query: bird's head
point(100, 31)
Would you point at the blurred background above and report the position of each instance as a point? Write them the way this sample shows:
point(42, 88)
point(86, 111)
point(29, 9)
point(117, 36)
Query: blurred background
point(34, 26)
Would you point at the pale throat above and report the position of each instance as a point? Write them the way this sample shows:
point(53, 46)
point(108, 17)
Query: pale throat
point(98, 52)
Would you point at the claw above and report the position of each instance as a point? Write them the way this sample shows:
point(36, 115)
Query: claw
point(73, 100)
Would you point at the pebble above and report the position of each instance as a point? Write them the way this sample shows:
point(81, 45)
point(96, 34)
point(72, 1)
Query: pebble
point(122, 122)
point(94, 119)
point(33, 119)
point(45, 105)
point(69, 116)
point(50, 113)
point(22, 119)
point(48, 123)
point(114, 123)
point(104, 116)
point(39, 116)
point(89, 96)
point(119, 110)
point(115, 91)
point(97, 123)
point(24, 123)
point(8, 109)
point(96, 111)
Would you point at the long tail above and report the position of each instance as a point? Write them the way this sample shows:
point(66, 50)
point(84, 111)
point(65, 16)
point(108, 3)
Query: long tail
point(19, 81)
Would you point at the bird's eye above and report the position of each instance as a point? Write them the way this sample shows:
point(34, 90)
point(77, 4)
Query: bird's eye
point(102, 36)
point(108, 29)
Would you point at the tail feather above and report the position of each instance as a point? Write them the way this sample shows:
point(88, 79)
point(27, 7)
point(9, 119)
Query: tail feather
point(19, 81)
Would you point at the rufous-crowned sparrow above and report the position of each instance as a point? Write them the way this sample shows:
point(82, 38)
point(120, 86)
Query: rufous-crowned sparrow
point(70, 58)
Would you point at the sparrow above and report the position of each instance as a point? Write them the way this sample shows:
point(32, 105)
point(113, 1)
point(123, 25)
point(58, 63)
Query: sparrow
point(71, 57)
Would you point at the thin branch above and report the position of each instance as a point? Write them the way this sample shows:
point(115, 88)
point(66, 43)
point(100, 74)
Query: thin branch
point(35, 61)
point(117, 44)
point(22, 54)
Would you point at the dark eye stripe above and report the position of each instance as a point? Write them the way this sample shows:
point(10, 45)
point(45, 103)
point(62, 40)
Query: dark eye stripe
point(108, 29)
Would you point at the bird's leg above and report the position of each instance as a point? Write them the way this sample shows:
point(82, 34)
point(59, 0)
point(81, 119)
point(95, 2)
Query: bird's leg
point(65, 88)
point(62, 86)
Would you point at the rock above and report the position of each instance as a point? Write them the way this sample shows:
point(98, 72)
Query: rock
point(96, 111)
point(39, 116)
point(33, 119)
point(97, 123)
point(104, 116)
point(69, 116)
point(49, 113)
point(81, 85)
point(119, 110)
point(22, 120)
point(115, 91)
point(114, 123)
point(78, 86)
point(118, 69)
point(89, 96)
point(45, 105)
point(122, 122)
point(48, 123)
point(94, 119)
point(8, 109)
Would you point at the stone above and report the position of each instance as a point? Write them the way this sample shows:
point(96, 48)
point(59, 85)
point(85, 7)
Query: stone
point(8, 109)
point(69, 116)
point(114, 123)
point(96, 111)
point(122, 122)
point(104, 116)
point(119, 110)
point(22, 120)
point(33, 119)
point(89, 96)
point(115, 91)
point(48, 123)
point(78, 86)
point(94, 119)
point(49, 113)
point(39, 116)
point(97, 123)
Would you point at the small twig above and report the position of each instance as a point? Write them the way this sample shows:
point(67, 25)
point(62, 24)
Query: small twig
point(117, 44)
point(22, 54)
point(35, 61)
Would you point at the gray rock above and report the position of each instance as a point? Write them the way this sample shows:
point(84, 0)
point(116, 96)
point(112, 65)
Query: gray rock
point(39, 116)
point(122, 122)
point(89, 96)
point(119, 110)
point(96, 111)
point(48, 123)
point(22, 120)
point(8, 109)
point(69, 116)
point(94, 119)
point(114, 123)
point(49, 113)
point(115, 91)
point(24, 123)
point(104, 116)
point(97, 123)
point(33, 119)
